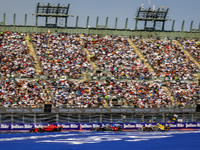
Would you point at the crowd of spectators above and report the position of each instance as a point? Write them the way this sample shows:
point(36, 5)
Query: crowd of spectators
point(100, 94)
point(21, 94)
point(15, 60)
point(167, 59)
point(114, 54)
point(193, 46)
point(61, 55)
point(96, 94)
point(185, 94)
point(129, 94)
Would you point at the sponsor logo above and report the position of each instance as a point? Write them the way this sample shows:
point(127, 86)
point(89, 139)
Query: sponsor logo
point(10, 110)
point(37, 110)
point(89, 110)
point(104, 111)
point(26, 111)
point(153, 110)
point(164, 110)
point(96, 125)
point(72, 110)
point(190, 125)
point(64, 125)
point(28, 126)
point(147, 110)
point(139, 110)
point(188, 110)
point(115, 110)
point(198, 124)
point(180, 125)
point(38, 126)
point(129, 110)
point(177, 110)
point(172, 125)
point(129, 126)
point(4, 126)
point(171, 110)
point(147, 125)
point(17, 126)
point(19, 110)
point(78, 111)
point(53, 111)
point(117, 124)
point(86, 126)
point(63, 110)
point(73, 125)
point(98, 110)
point(123, 110)
point(139, 125)
point(105, 125)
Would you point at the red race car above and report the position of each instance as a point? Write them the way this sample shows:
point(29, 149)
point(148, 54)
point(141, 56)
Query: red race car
point(49, 128)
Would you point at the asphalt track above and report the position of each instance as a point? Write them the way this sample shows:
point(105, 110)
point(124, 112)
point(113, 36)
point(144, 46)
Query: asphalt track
point(172, 140)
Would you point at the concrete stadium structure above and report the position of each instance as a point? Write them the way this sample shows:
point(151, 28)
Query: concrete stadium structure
point(111, 115)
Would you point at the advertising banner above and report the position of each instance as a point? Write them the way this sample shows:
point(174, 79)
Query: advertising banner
point(98, 110)
point(88, 126)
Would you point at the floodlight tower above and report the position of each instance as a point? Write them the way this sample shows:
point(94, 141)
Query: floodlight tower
point(49, 11)
point(151, 15)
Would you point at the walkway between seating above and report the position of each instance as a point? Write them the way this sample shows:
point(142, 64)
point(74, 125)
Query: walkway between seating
point(33, 54)
point(46, 92)
point(189, 56)
point(148, 66)
point(88, 57)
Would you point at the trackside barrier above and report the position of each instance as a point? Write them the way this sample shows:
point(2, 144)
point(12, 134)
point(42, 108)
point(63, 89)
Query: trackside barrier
point(20, 127)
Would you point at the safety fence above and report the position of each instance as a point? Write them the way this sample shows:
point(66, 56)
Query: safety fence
point(109, 116)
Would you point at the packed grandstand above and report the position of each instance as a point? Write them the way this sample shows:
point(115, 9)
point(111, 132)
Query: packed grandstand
point(94, 71)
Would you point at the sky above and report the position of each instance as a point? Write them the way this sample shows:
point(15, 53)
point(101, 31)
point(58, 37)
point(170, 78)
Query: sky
point(179, 10)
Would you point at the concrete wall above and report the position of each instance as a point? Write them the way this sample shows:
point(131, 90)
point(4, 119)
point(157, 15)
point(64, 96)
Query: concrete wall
point(102, 31)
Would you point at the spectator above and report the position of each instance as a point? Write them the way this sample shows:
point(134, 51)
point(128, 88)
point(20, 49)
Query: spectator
point(15, 60)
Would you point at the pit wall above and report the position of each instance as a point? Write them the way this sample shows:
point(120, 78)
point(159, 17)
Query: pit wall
point(24, 127)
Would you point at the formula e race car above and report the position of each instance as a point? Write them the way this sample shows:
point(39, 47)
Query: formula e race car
point(157, 127)
point(108, 128)
point(49, 128)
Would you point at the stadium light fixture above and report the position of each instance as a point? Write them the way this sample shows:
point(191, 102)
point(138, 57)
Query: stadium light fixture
point(152, 15)
point(52, 11)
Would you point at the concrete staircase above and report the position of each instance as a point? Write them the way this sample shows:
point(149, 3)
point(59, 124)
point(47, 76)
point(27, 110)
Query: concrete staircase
point(91, 62)
point(148, 66)
point(141, 56)
point(190, 57)
point(168, 93)
point(38, 69)
point(33, 54)
point(88, 58)
point(105, 104)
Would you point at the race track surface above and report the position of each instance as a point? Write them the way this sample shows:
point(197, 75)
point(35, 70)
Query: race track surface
point(179, 140)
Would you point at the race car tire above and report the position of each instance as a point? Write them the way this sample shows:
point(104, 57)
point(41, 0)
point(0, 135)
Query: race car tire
point(59, 129)
point(32, 130)
point(40, 130)
point(103, 129)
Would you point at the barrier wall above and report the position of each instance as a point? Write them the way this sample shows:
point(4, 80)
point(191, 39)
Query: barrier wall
point(25, 127)
point(98, 110)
